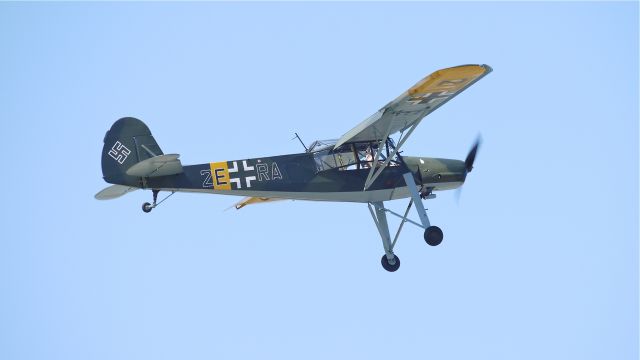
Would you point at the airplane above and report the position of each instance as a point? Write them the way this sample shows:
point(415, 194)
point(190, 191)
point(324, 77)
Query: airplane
point(365, 165)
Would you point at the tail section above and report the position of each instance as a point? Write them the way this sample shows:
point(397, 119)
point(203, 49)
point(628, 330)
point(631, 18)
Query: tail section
point(127, 143)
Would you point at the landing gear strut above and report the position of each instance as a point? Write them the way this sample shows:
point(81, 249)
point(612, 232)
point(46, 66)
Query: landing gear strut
point(432, 234)
point(146, 207)
point(390, 261)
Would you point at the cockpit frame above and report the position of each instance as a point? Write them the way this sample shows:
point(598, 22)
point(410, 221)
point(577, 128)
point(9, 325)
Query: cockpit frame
point(353, 155)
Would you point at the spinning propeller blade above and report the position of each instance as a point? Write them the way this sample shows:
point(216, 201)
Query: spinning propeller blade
point(468, 164)
point(471, 156)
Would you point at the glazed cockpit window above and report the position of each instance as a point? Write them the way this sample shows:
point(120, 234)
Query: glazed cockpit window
point(352, 156)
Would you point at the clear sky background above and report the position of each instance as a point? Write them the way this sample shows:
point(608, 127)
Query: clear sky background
point(540, 257)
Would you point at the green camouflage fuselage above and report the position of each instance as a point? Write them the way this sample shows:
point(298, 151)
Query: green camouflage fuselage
point(296, 177)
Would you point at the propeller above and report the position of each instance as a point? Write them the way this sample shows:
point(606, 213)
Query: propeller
point(468, 164)
point(471, 156)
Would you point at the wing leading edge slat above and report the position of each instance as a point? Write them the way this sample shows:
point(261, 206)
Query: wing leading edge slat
point(414, 104)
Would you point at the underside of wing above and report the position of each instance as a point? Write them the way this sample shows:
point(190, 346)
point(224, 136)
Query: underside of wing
point(419, 101)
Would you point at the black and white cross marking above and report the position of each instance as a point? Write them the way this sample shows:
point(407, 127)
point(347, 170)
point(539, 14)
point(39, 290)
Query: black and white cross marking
point(241, 174)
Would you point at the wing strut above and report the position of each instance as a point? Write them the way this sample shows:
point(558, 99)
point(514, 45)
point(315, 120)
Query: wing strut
point(377, 170)
point(375, 160)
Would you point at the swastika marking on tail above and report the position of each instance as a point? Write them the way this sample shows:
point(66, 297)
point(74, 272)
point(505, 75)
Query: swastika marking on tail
point(119, 152)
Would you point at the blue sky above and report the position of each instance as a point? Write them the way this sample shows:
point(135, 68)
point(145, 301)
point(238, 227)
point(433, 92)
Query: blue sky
point(540, 257)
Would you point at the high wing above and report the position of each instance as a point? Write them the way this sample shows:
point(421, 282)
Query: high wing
point(406, 111)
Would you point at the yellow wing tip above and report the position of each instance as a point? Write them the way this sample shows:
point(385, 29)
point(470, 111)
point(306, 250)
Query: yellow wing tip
point(450, 79)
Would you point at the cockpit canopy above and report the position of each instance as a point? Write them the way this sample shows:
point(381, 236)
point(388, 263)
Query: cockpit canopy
point(352, 156)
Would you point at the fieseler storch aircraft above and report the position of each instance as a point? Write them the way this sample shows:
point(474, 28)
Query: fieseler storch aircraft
point(364, 165)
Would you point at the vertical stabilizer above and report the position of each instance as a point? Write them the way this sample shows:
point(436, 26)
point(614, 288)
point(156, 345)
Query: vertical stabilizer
point(128, 142)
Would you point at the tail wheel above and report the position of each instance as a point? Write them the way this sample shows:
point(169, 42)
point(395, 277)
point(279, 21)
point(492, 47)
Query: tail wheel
point(146, 207)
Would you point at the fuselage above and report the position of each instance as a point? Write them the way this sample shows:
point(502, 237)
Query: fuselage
point(305, 176)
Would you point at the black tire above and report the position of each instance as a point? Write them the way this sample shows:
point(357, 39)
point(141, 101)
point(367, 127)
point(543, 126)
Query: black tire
point(389, 267)
point(146, 207)
point(433, 235)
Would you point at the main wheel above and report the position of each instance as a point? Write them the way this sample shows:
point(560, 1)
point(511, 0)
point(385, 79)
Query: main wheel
point(146, 207)
point(433, 235)
point(389, 267)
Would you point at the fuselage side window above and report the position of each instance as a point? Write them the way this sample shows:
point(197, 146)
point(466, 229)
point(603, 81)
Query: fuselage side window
point(364, 155)
point(346, 158)
point(324, 160)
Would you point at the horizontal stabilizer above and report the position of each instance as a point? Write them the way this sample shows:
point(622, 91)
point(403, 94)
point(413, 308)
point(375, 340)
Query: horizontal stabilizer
point(254, 200)
point(114, 191)
point(161, 165)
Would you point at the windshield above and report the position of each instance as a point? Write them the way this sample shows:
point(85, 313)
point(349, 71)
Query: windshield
point(320, 145)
